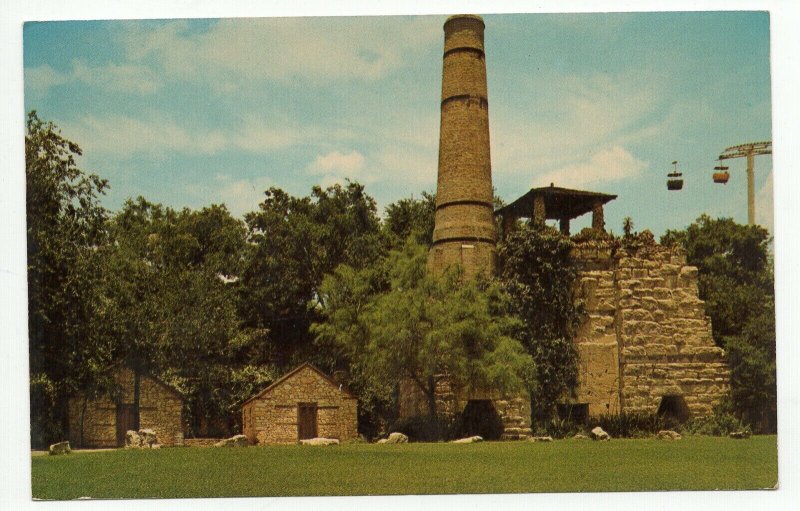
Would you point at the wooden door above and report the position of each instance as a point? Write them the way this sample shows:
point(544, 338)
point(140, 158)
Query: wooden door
point(126, 420)
point(306, 420)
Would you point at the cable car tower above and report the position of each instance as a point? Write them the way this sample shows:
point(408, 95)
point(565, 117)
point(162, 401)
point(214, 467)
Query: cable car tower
point(749, 151)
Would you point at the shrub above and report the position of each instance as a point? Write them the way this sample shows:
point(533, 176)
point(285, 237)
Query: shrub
point(719, 424)
point(557, 428)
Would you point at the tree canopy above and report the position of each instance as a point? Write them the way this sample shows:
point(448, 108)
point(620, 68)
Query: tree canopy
point(407, 323)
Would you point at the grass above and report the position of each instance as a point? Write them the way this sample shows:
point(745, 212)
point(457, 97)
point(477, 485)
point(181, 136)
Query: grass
point(694, 463)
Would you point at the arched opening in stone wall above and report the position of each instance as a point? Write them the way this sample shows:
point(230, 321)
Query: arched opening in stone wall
point(673, 409)
point(479, 418)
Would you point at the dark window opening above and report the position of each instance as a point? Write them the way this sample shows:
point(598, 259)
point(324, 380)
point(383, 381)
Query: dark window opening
point(673, 409)
point(575, 412)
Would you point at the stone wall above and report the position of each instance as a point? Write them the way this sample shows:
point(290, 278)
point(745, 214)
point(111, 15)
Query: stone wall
point(514, 411)
point(160, 409)
point(646, 334)
point(272, 416)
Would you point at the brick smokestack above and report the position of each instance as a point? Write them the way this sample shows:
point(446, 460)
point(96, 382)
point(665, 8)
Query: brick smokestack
point(464, 231)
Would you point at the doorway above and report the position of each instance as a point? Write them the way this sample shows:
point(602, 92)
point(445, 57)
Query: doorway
point(126, 420)
point(306, 420)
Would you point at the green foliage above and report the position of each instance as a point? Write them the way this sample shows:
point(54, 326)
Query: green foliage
point(721, 423)
point(410, 218)
point(402, 322)
point(538, 272)
point(293, 242)
point(65, 228)
point(736, 281)
point(629, 424)
point(557, 428)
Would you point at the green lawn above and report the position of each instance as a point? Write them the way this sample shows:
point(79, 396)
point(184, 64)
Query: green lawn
point(693, 463)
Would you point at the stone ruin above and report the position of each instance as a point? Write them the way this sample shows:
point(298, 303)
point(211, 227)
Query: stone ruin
point(645, 344)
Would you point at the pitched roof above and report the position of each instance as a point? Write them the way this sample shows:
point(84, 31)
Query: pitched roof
point(295, 371)
point(559, 202)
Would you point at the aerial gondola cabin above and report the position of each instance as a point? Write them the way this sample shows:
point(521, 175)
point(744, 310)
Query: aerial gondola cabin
point(721, 175)
point(674, 179)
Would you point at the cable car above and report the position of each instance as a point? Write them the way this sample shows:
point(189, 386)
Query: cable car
point(721, 175)
point(674, 178)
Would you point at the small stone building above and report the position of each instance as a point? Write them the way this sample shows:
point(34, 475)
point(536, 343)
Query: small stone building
point(103, 422)
point(304, 403)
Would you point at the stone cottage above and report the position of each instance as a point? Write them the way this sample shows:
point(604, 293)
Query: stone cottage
point(103, 422)
point(304, 403)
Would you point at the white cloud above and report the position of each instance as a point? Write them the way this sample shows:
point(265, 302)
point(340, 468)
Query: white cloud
point(127, 78)
point(335, 167)
point(123, 136)
point(612, 164)
point(765, 205)
point(235, 52)
point(582, 115)
point(338, 163)
point(41, 78)
point(409, 164)
point(241, 195)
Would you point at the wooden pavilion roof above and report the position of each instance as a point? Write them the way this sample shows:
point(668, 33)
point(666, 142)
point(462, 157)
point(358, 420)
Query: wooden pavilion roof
point(558, 202)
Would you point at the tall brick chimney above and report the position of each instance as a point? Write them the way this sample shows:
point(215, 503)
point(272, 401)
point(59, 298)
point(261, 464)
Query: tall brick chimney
point(464, 231)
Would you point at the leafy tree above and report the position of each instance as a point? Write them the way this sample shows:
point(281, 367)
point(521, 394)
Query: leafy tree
point(410, 324)
point(65, 229)
point(293, 243)
point(538, 272)
point(736, 281)
point(411, 218)
point(173, 307)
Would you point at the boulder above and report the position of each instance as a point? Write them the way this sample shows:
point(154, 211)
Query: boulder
point(580, 436)
point(234, 441)
point(468, 440)
point(395, 438)
point(60, 448)
point(740, 435)
point(132, 440)
point(319, 441)
point(667, 434)
point(540, 439)
point(147, 438)
point(598, 434)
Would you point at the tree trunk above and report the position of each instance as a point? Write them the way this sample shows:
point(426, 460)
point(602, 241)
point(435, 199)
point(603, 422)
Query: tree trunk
point(136, 391)
point(432, 412)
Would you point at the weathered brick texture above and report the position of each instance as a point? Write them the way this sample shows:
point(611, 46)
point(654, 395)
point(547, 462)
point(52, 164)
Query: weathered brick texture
point(272, 415)
point(160, 409)
point(464, 232)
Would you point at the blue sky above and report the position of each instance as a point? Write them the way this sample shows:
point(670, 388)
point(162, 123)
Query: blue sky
point(194, 112)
